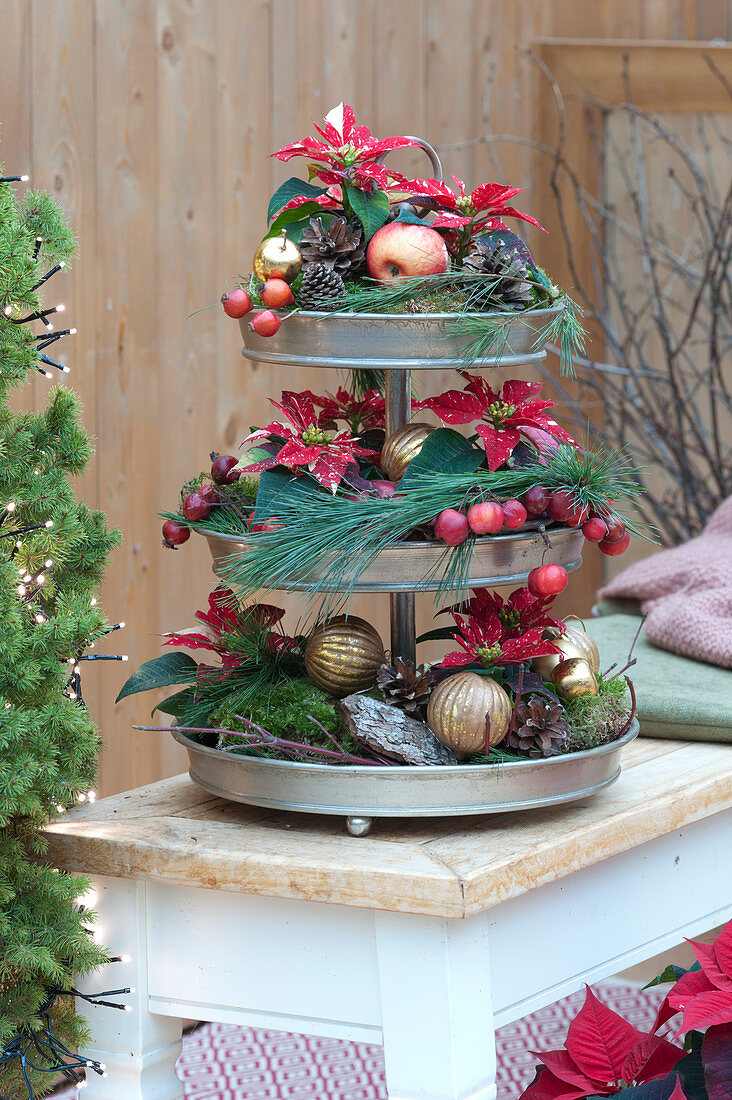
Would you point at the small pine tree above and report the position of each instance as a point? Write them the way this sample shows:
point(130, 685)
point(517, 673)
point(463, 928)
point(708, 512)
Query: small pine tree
point(53, 552)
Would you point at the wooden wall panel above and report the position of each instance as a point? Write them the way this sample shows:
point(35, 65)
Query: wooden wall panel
point(152, 124)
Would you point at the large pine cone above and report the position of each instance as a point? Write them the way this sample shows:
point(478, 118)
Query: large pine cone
point(506, 275)
point(405, 686)
point(322, 288)
point(337, 245)
point(540, 729)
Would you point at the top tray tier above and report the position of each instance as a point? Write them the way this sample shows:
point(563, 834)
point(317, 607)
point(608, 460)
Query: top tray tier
point(383, 341)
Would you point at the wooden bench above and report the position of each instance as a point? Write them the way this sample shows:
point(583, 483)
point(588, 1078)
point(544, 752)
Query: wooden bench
point(425, 935)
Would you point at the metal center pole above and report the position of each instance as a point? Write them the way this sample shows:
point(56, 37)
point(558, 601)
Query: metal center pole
point(398, 393)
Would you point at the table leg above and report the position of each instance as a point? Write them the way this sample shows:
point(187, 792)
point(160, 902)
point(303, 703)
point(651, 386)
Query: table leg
point(437, 1014)
point(139, 1048)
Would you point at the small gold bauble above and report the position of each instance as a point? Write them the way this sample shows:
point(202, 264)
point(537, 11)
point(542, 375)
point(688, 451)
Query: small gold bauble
point(277, 258)
point(343, 655)
point(574, 642)
point(401, 447)
point(574, 677)
point(459, 708)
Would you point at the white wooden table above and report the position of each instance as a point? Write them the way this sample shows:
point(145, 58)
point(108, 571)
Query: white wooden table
point(424, 936)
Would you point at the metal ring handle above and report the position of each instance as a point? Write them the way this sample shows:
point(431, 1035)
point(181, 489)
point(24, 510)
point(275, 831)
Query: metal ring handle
point(428, 149)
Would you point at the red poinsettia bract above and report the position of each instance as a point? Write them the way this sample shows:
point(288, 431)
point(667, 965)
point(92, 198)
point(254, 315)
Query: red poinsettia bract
point(491, 632)
point(502, 414)
point(222, 618)
point(602, 1054)
point(362, 414)
point(482, 209)
point(703, 996)
point(347, 154)
point(306, 443)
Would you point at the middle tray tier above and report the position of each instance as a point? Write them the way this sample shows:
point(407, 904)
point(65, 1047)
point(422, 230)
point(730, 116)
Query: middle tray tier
point(416, 566)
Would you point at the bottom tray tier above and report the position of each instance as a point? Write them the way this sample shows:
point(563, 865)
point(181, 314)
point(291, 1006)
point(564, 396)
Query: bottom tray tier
point(412, 566)
point(361, 793)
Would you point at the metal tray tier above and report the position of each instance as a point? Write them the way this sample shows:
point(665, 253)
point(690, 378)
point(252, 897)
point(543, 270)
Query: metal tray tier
point(361, 793)
point(415, 566)
point(383, 341)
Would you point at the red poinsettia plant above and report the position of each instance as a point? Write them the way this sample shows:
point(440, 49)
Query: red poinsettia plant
point(604, 1055)
point(305, 444)
point(491, 632)
point(503, 415)
point(361, 414)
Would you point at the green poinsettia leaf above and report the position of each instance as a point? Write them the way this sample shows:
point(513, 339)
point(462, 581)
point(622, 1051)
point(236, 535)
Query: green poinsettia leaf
point(370, 207)
point(671, 974)
point(176, 705)
point(275, 485)
point(294, 220)
point(444, 450)
point(170, 668)
point(410, 218)
point(292, 188)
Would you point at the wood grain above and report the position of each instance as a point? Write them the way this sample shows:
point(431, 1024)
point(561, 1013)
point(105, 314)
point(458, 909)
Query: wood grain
point(152, 124)
point(174, 832)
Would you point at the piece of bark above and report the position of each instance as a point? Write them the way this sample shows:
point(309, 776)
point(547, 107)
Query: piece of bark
point(391, 732)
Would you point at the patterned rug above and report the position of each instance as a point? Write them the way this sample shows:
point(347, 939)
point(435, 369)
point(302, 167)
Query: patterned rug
point(222, 1062)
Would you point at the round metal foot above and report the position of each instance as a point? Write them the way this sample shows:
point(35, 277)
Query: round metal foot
point(359, 826)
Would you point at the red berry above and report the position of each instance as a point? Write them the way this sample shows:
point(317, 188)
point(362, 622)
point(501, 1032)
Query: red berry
point(265, 323)
point(223, 469)
point(236, 303)
point(536, 499)
point(210, 494)
point(175, 534)
point(559, 505)
point(531, 582)
point(615, 529)
point(576, 515)
point(594, 529)
point(485, 518)
point(451, 527)
point(276, 294)
point(266, 525)
point(195, 506)
point(514, 514)
point(614, 548)
point(548, 580)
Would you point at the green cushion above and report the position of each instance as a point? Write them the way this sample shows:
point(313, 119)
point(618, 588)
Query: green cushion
point(677, 697)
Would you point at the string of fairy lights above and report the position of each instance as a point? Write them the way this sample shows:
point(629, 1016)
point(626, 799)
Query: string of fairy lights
point(35, 586)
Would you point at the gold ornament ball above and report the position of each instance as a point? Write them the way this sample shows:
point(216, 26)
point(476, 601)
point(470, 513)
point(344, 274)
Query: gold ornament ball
point(574, 677)
point(401, 447)
point(574, 642)
point(277, 258)
point(343, 655)
point(458, 710)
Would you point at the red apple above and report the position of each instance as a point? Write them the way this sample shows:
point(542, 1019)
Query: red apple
point(548, 580)
point(485, 518)
point(536, 499)
point(451, 526)
point(612, 549)
point(400, 250)
point(514, 515)
point(594, 529)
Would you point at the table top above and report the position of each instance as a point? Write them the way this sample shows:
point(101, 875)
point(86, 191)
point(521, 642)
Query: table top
point(175, 832)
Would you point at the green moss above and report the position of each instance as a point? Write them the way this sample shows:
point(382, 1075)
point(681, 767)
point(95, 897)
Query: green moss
point(597, 719)
point(285, 711)
point(244, 491)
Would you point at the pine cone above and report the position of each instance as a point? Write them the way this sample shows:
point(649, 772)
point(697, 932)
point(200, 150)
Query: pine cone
point(337, 245)
point(405, 686)
point(322, 288)
point(540, 729)
point(505, 273)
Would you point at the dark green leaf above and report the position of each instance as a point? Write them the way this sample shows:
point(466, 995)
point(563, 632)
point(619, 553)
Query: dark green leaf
point(650, 1090)
point(671, 974)
point(171, 668)
point(439, 634)
point(410, 218)
point(176, 705)
point(291, 189)
point(276, 485)
point(294, 220)
point(445, 451)
point(370, 207)
point(691, 1069)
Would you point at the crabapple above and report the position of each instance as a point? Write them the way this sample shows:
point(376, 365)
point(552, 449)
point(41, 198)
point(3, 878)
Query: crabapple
point(514, 514)
point(485, 518)
point(452, 527)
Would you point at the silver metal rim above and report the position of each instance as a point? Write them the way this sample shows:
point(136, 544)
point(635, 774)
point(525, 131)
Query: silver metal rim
point(365, 791)
point(412, 566)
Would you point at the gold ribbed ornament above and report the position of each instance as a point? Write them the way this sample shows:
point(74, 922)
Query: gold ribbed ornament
point(574, 677)
point(401, 447)
point(277, 258)
point(458, 710)
point(574, 642)
point(343, 655)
